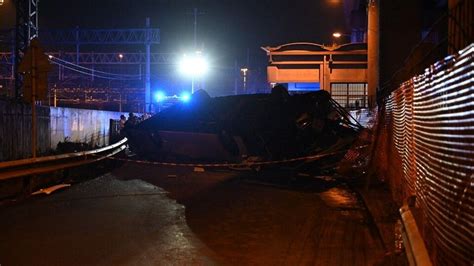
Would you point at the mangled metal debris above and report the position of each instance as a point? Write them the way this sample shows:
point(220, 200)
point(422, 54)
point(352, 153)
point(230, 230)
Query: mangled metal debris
point(51, 189)
point(234, 128)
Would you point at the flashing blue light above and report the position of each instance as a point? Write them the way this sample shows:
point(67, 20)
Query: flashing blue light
point(185, 97)
point(160, 96)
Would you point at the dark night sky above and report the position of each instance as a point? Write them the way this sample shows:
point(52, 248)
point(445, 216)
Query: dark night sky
point(226, 30)
point(228, 27)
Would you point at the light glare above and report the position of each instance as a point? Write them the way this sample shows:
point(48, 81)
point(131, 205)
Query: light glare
point(160, 96)
point(193, 66)
point(185, 97)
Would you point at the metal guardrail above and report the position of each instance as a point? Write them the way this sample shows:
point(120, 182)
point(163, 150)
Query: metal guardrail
point(41, 165)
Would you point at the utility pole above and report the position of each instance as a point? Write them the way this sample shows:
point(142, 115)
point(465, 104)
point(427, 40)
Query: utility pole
point(196, 13)
point(55, 102)
point(195, 27)
point(244, 73)
point(34, 67)
point(247, 67)
point(26, 28)
point(236, 78)
point(34, 80)
point(78, 45)
point(147, 68)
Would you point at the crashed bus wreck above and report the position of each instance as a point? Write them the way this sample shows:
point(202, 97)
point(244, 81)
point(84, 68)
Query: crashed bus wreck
point(234, 129)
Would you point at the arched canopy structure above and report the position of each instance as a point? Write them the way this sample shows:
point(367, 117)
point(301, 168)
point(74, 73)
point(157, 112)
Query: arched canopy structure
point(339, 69)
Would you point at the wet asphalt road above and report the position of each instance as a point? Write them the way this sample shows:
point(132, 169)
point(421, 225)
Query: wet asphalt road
point(144, 215)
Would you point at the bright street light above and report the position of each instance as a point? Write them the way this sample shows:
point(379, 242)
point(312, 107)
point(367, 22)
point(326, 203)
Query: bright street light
point(194, 65)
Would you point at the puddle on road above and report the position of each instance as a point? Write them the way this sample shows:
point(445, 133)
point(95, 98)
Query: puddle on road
point(341, 198)
point(326, 178)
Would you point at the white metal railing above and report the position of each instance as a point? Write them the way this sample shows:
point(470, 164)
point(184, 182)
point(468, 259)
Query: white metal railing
point(31, 166)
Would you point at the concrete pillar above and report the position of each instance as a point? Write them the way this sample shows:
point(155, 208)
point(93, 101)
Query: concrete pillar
point(373, 43)
point(326, 76)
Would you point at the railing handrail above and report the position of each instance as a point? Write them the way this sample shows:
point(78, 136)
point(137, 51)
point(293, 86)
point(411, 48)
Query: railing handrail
point(22, 162)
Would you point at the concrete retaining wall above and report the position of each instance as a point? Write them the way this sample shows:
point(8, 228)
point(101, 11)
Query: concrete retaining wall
point(80, 125)
point(55, 124)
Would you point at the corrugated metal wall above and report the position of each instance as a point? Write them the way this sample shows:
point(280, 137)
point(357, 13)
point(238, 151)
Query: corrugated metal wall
point(426, 149)
point(15, 130)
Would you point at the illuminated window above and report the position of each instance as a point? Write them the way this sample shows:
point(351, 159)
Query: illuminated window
point(350, 95)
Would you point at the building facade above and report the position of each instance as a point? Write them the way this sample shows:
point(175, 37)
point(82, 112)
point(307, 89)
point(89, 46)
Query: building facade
point(341, 70)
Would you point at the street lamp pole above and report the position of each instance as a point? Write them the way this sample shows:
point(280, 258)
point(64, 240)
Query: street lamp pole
point(244, 73)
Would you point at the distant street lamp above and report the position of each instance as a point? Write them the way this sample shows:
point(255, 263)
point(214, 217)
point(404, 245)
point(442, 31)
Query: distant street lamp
point(194, 66)
point(338, 35)
point(244, 73)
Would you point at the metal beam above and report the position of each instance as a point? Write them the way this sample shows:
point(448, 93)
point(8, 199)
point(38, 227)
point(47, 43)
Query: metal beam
point(100, 36)
point(105, 58)
point(91, 60)
point(26, 28)
point(114, 59)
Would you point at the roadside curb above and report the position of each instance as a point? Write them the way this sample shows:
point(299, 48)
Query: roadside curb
point(382, 212)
